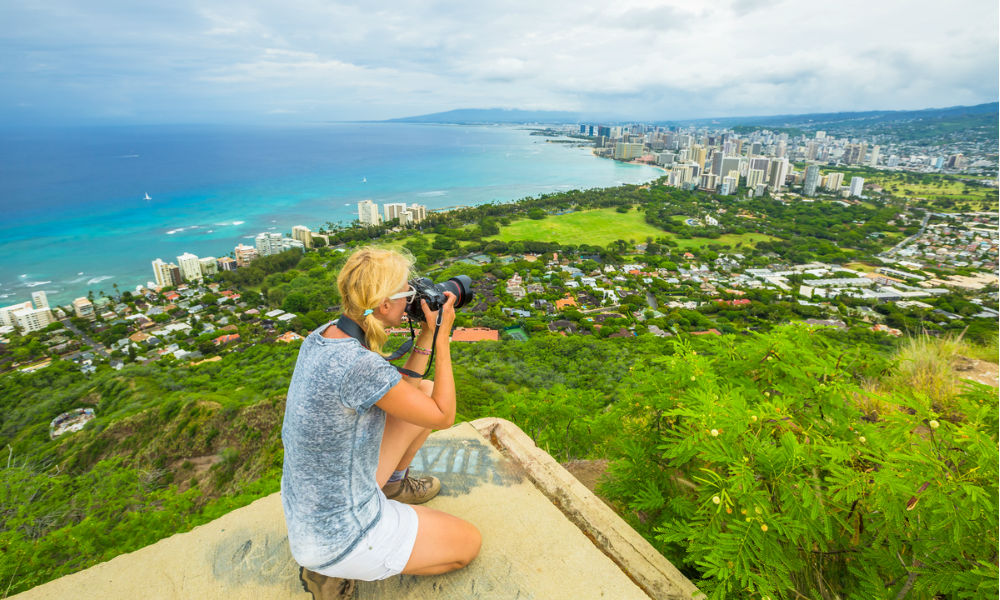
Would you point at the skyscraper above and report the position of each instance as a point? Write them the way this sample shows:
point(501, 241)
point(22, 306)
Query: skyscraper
point(244, 254)
point(812, 180)
point(393, 210)
point(857, 186)
point(779, 171)
point(834, 181)
point(368, 213)
point(875, 156)
point(190, 267)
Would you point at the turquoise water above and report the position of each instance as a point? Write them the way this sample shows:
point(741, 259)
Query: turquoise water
point(75, 218)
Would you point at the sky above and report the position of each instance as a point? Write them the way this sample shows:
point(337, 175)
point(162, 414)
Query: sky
point(120, 61)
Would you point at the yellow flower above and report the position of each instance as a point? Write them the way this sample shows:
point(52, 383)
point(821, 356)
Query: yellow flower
point(716, 499)
point(934, 424)
point(763, 527)
point(715, 433)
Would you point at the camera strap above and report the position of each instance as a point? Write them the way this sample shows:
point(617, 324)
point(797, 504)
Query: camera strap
point(354, 330)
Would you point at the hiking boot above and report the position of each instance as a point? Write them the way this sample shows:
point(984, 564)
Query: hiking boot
point(412, 490)
point(326, 588)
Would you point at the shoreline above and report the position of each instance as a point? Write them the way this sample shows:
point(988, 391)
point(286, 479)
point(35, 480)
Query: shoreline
point(61, 288)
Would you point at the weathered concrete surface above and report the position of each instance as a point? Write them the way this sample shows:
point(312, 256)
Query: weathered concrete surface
point(532, 548)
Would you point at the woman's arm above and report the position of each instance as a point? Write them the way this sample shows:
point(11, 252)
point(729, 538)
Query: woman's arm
point(407, 402)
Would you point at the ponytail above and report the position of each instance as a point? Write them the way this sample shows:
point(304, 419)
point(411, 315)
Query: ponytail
point(369, 276)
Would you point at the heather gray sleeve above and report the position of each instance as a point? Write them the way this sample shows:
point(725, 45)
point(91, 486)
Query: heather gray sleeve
point(367, 380)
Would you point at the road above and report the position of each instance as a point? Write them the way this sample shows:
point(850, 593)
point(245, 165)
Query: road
point(97, 347)
point(923, 225)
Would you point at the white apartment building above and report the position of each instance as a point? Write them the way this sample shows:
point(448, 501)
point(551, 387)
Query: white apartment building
point(857, 186)
point(834, 181)
point(6, 313)
point(368, 213)
point(268, 243)
point(190, 267)
point(302, 234)
point(32, 319)
point(208, 265)
point(40, 299)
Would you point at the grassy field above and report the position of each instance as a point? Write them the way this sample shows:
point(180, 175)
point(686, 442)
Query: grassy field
point(932, 186)
point(599, 227)
point(605, 225)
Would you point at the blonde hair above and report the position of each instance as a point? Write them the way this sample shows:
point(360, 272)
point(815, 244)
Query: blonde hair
point(369, 276)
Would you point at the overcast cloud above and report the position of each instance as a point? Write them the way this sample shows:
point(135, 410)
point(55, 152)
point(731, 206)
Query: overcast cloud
point(305, 60)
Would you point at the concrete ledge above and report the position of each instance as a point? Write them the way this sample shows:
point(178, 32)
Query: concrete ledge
point(636, 557)
point(544, 536)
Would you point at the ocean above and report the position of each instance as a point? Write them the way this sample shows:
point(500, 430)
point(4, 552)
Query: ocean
point(76, 217)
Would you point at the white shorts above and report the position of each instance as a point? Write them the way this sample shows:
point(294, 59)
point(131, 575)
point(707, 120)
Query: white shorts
point(384, 550)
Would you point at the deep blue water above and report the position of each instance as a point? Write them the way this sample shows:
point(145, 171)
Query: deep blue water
point(74, 217)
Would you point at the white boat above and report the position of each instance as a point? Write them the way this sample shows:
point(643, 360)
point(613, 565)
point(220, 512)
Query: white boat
point(147, 197)
point(364, 180)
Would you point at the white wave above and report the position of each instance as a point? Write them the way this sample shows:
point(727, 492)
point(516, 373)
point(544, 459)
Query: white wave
point(23, 275)
point(129, 156)
point(35, 283)
point(98, 279)
point(173, 231)
point(210, 231)
point(80, 273)
point(238, 222)
point(194, 227)
point(432, 193)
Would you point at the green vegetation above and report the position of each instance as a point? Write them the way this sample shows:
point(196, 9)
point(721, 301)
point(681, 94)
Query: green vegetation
point(598, 227)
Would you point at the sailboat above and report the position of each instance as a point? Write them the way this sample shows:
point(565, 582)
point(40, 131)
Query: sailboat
point(147, 198)
point(364, 180)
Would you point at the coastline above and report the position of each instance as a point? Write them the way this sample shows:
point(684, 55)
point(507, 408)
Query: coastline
point(68, 255)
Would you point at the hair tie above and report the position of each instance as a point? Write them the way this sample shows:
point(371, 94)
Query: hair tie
point(367, 312)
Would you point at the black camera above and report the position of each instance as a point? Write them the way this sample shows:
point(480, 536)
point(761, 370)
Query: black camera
point(433, 293)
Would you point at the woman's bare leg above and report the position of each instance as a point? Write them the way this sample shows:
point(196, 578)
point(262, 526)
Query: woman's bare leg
point(444, 543)
point(400, 442)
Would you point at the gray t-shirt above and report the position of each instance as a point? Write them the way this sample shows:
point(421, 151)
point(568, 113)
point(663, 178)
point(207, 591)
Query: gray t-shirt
point(331, 434)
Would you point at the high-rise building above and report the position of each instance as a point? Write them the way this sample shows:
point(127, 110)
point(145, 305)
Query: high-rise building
point(857, 186)
point(368, 213)
point(628, 150)
point(708, 181)
point(393, 209)
point(834, 181)
point(84, 309)
point(698, 155)
point(873, 161)
point(728, 187)
point(729, 165)
point(820, 135)
point(190, 267)
point(7, 313)
point(244, 255)
point(779, 171)
point(755, 177)
point(303, 234)
point(208, 265)
point(40, 299)
point(812, 149)
point(717, 157)
point(32, 319)
point(166, 274)
point(812, 180)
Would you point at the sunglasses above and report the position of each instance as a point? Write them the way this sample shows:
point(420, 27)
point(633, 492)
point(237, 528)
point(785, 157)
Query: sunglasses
point(409, 294)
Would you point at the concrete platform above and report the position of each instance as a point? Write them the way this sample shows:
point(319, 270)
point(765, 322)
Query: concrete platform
point(544, 536)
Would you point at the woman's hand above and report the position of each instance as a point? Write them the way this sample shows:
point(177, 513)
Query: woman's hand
point(447, 315)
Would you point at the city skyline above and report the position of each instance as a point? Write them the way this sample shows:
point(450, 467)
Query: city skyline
point(264, 62)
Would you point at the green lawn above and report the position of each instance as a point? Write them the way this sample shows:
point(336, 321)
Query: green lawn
point(729, 239)
point(605, 225)
point(598, 227)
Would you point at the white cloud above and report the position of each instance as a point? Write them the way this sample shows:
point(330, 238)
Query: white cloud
point(671, 59)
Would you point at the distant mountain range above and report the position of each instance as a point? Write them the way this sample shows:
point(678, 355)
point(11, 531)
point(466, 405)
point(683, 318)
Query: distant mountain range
point(481, 116)
point(908, 124)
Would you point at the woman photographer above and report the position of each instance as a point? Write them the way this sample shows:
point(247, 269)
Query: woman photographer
point(353, 424)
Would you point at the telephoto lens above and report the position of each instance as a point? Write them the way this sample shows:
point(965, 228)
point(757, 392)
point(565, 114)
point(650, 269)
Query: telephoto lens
point(433, 293)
